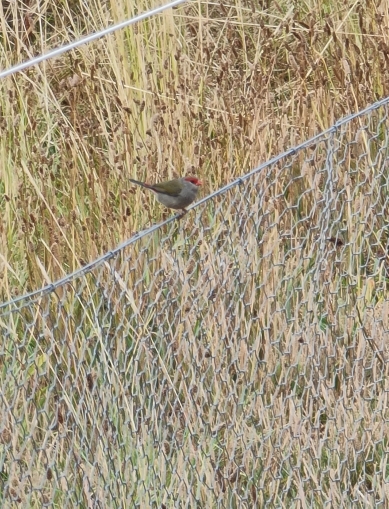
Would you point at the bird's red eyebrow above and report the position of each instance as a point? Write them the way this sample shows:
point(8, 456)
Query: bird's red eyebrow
point(194, 180)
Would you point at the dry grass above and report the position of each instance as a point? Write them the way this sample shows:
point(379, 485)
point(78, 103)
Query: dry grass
point(236, 358)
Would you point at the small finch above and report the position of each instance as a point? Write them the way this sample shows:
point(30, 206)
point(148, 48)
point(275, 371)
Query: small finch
point(175, 194)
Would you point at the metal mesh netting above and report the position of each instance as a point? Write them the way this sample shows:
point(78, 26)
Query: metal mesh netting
point(235, 358)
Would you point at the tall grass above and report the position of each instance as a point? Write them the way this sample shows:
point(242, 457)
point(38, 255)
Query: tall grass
point(236, 358)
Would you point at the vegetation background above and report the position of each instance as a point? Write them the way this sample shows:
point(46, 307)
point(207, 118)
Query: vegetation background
point(210, 89)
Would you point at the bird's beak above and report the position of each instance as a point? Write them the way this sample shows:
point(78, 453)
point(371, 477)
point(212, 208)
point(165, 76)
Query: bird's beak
point(199, 183)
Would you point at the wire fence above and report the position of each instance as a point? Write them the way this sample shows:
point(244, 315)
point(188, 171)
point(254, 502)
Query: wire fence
point(236, 358)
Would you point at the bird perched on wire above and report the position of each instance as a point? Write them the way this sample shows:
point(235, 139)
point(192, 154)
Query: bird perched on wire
point(175, 194)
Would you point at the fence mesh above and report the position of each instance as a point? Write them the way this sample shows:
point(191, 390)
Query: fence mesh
point(236, 358)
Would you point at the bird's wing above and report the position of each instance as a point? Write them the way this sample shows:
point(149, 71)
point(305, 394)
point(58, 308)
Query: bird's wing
point(172, 188)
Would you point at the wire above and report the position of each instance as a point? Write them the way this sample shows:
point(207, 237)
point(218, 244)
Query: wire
point(19, 302)
point(89, 38)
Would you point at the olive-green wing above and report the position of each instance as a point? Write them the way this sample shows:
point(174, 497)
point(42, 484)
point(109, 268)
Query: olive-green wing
point(171, 188)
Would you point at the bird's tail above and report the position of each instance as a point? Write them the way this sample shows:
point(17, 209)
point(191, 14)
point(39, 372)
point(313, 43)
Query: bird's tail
point(142, 184)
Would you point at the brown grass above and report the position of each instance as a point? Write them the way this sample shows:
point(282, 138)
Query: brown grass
point(236, 358)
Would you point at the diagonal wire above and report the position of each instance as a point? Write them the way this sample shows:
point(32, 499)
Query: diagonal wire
point(5, 307)
point(89, 38)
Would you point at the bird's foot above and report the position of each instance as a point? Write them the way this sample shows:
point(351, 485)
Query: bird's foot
point(182, 213)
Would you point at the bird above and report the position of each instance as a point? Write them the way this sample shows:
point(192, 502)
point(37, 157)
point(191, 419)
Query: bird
point(174, 194)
